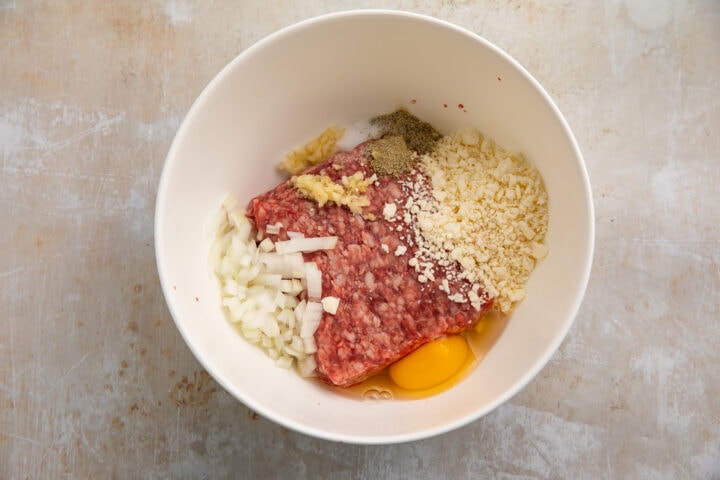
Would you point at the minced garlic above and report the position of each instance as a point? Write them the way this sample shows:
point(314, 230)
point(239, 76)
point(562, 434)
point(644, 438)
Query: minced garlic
point(315, 151)
point(322, 189)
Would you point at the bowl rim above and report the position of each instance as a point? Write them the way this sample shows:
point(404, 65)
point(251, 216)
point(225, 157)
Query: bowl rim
point(521, 382)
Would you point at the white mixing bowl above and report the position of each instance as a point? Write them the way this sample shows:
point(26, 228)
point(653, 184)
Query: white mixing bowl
point(339, 69)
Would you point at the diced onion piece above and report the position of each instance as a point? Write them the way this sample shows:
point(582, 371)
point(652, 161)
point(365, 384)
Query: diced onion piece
point(311, 319)
point(284, 362)
point(300, 311)
point(271, 261)
point(297, 344)
point(289, 350)
point(313, 280)
point(246, 275)
point(252, 334)
point(265, 300)
point(286, 286)
point(230, 287)
point(266, 245)
point(273, 229)
point(236, 309)
point(291, 286)
point(279, 342)
point(230, 203)
point(295, 235)
point(330, 304)
point(305, 244)
point(269, 279)
point(217, 252)
point(289, 266)
point(309, 345)
point(296, 348)
point(307, 366)
point(238, 220)
point(285, 302)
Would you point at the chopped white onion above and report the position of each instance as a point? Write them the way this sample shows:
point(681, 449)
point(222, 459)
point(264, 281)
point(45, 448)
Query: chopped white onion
point(230, 203)
point(309, 345)
point(330, 304)
point(297, 344)
point(284, 362)
point(289, 266)
point(307, 366)
point(230, 287)
point(291, 286)
point(270, 327)
point(300, 310)
point(313, 281)
point(237, 219)
point(269, 279)
point(266, 245)
point(274, 229)
point(252, 334)
point(305, 244)
point(253, 319)
point(279, 342)
point(268, 289)
point(311, 319)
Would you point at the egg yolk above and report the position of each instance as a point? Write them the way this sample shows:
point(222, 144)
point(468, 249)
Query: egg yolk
point(431, 364)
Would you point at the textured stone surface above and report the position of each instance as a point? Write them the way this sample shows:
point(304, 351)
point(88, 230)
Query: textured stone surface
point(95, 381)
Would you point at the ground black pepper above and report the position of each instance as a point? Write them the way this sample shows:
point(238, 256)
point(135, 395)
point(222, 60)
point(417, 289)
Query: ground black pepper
point(391, 156)
point(405, 137)
point(419, 136)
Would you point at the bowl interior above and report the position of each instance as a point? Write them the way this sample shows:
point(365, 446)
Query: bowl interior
point(339, 69)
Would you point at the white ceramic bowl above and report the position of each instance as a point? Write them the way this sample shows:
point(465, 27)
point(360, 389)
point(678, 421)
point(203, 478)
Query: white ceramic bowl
point(338, 69)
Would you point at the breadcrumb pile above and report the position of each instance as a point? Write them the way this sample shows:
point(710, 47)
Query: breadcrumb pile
point(489, 213)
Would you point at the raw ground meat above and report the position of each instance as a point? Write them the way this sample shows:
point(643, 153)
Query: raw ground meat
point(384, 312)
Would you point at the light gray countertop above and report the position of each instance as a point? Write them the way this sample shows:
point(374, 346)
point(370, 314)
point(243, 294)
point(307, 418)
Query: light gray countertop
point(96, 382)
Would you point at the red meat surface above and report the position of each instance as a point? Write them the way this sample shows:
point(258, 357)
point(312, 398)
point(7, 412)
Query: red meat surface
point(385, 312)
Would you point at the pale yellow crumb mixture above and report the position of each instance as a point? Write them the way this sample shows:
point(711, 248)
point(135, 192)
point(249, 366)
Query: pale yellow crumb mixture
point(490, 213)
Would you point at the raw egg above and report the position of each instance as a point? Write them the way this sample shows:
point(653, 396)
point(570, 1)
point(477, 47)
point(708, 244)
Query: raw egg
point(476, 341)
point(431, 364)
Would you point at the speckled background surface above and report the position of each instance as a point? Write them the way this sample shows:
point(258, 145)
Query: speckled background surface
point(95, 381)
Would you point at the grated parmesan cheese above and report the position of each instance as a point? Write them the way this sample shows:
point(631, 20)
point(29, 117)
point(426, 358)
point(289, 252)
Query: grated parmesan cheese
point(486, 209)
point(389, 211)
